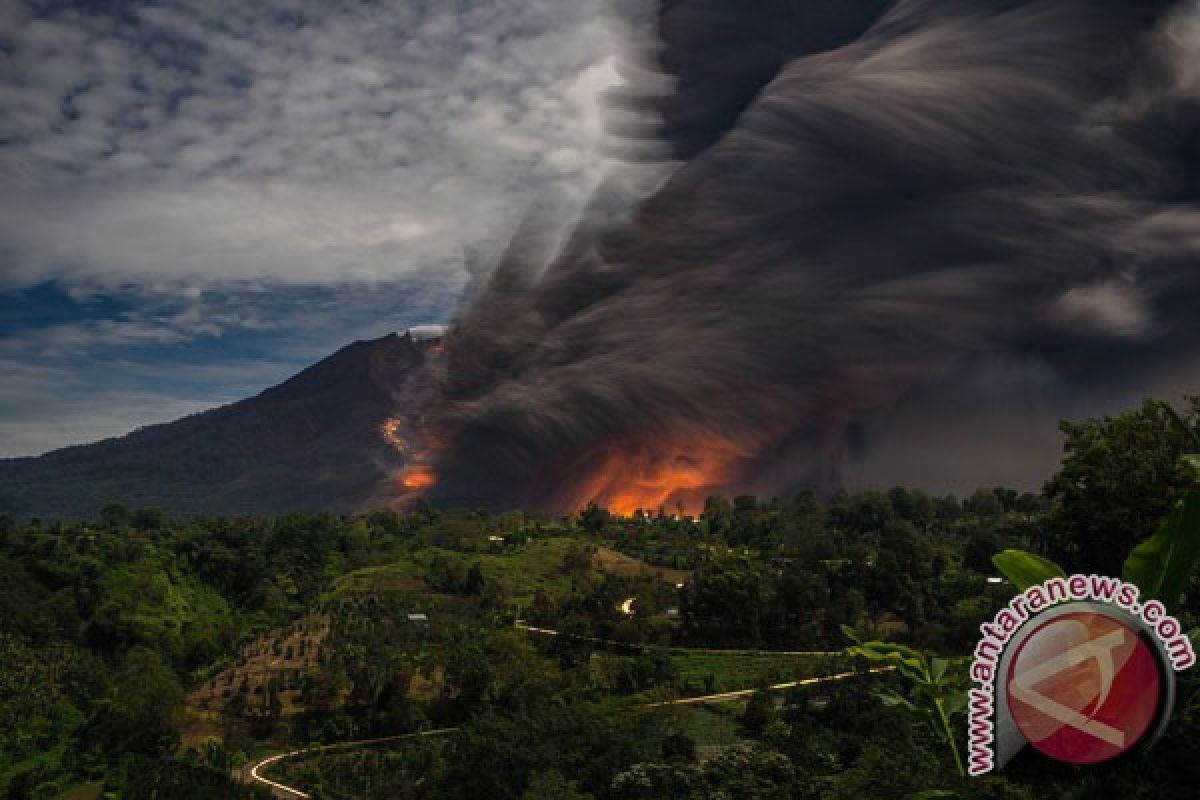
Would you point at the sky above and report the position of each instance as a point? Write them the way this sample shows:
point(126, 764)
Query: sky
point(198, 197)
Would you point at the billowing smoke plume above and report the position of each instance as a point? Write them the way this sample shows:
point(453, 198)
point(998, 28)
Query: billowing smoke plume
point(871, 198)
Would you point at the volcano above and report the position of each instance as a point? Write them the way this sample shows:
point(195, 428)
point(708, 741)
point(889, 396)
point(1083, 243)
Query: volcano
point(310, 443)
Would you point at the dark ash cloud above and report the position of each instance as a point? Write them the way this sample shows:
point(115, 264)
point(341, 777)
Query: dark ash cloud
point(874, 200)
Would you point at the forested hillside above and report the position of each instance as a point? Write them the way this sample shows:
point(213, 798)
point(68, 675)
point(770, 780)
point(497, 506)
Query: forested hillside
point(148, 655)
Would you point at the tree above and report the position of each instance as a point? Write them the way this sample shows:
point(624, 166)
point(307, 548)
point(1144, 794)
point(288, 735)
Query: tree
point(978, 552)
point(114, 515)
point(593, 519)
point(936, 687)
point(911, 548)
point(914, 506)
point(551, 785)
point(679, 748)
point(718, 516)
point(273, 703)
point(149, 519)
point(800, 608)
point(984, 503)
point(750, 773)
point(724, 604)
point(475, 582)
point(1120, 476)
point(745, 503)
point(138, 714)
point(501, 752)
point(759, 713)
point(578, 558)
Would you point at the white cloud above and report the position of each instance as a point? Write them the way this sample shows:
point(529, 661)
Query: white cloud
point(256, 184)
point(302, 142)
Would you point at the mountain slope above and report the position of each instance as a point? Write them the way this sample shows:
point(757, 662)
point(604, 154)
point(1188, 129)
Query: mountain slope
point(310, 443)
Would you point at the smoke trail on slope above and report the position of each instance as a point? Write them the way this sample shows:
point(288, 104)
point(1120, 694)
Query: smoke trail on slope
point(870, 196)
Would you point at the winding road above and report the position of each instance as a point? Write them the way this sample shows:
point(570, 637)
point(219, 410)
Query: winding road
point(285, 792)
point(282, 790)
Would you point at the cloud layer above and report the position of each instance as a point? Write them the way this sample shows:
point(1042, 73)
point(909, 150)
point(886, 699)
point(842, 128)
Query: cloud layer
point(164, 152)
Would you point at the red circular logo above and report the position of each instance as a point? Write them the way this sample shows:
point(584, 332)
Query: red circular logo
point(1083, 688)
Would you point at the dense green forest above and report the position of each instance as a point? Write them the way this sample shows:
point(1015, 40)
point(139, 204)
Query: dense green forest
point(144, 656)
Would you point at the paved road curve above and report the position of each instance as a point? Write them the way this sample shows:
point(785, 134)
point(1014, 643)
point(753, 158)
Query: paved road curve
point(289, 792)
point(520, 625)
point(284, 791)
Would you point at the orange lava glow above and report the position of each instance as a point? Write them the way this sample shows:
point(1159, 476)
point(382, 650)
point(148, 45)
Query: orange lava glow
point(417, 477)
point(673, 474)
point(667, 487)
point(390, 430)
point(678, 482)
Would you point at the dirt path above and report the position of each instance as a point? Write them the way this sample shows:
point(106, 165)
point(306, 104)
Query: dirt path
point(618, 563)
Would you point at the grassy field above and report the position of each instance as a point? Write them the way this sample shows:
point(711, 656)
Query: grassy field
point(84, 791)
point(708, 672)
point(725, 672)
point(402, 575)
point(535, 565)
point(620, 564)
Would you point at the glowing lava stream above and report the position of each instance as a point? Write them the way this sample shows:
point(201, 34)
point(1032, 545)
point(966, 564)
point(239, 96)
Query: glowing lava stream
point(390, 430)
point(418, 478)
point(647, 477)
point(640, 478)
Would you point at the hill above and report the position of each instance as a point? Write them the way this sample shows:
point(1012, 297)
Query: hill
point(310, 443)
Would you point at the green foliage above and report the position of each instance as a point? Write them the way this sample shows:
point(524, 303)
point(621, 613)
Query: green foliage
point(753, 772)
point(152, 603)
point(730, 670)
point(1162, 565)
point(138, 714)
point(889, 767)
point(104, 626)
point(524, 570)
point(1120, 476)
point(155, 779)
point(936, 687)
point(114, 515)
point(551, 785)
point(759, 713)
point(43, 697)
point(1026, 569)
point(724, 604)
point(501, 751)
point(1193, 461)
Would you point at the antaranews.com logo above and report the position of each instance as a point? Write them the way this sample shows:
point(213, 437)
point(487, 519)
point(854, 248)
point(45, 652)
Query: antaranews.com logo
point(1078, 668)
